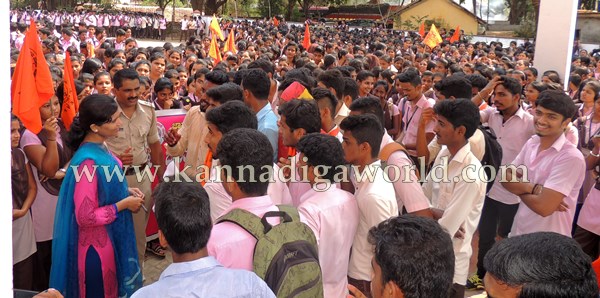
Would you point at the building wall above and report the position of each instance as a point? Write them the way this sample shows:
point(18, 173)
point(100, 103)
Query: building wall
point(453, 15)
point(589, 29)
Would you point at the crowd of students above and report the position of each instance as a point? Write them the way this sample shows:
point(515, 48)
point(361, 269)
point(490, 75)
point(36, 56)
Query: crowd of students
point(346, 114)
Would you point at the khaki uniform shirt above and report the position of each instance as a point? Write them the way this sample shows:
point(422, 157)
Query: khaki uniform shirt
point(137, 132)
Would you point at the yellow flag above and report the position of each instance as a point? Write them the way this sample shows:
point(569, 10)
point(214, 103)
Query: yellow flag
point(215, 28)
point(433, 38)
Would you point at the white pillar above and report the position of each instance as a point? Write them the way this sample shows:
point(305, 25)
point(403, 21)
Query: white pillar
point(5, 183)
point(555, 34)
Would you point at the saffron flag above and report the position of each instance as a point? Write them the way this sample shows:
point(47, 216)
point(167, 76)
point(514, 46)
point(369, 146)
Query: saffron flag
point(215, 28)
point(31, 85)
point(295, 90)
point(70, 105)
point(275, 22)
point(456, 36)
point(306, 41)
point(230, 45)
point(433, 38)
point(422, 30)
point(214, 51)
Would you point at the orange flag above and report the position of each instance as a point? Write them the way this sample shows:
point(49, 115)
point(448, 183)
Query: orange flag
point(422, 29)
point(275, 22)
point(70, 105)
point(456, 36)
point(31, 85)
point(433, 38)
point(230, 45)
point(214, 50)
point(215, 28)
point(306, 41)
point(91, 50)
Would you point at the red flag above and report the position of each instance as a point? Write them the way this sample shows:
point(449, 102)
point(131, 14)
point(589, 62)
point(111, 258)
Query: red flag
point(306, 41)
point(230, 44)
point(70, 105)
point(422, 29)
point(275, 22)
point(456, 36)
point(31, 85)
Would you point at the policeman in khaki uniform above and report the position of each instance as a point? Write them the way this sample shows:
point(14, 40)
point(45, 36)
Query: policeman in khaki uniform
point(137, 134)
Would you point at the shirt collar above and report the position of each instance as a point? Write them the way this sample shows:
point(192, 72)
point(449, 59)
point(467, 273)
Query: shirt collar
point(421, 102)
point(460, 155)
point(557, 145)
point(264, 111)
point(520, 112)
point(251, 203)
point(344, 111)
point(184, 267)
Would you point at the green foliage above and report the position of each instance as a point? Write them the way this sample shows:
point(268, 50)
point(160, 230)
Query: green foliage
point(413, 23)
point(277, 7)
point(527, 30)
point(439, 23)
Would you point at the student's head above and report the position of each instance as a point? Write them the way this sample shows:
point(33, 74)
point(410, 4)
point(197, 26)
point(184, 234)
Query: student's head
point(350, 91)
point(590, 91)
point(15, 127)
point(163, 88)
point(323, 157)
point(554, 110)
point(326, 101)
point(91, 66)
point(410, 84)
point(332, 79)
point(542, 264)
point(455, 86)
point(225, 118)
point(412, 244)
point(457, 121)
point(103, 83)
point(362, 138)
point(256, 84)
point(127, 87)
point(97, 115)
point(224, 93)
point(182, 212)
point(368, 105)
point(507, 94)
point(365, 80)
point(142, 67)
point(115, 65)
point(298, 118)
point(242, 148)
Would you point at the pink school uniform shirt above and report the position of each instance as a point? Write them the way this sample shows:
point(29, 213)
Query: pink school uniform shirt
point(412, 115)
point(560, 168)
point(333, 216)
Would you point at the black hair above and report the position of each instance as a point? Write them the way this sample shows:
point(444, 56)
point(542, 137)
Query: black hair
point(459, 112)
point(114, 62)
point(455, 86)
point(201, 72)
point(363, 75)
point(217, 77)
point(301, 114)
point(124, 74)
point(257, 155)
point(478, 81)
point(263, 64)
point(558, 102)
point(257, 82)
point(544, 264)
point(232, 115)
point(332, 78)
point(94, 109)
point(533, 70)
point(511, 84)
point(324, 95)
point(226, 92)
point(183, 215)
point(91, 65)
point(101, 74)
point(365, 128)
point(350, 88)
point(418, 245)
point(162, 84)
point(368, 105)
point(411, 77)
point(322, 150)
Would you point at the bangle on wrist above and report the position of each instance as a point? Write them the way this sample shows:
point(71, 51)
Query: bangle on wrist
point(594, 155)
point(62, 170)
point(54, 140)
point(533, 189)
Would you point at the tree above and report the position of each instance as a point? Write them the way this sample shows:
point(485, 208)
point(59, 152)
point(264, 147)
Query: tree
point(198, 5)
point(474, 5)
point(162, 4)
point(307, 4)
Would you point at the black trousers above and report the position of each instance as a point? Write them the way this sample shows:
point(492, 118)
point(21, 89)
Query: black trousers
point(496, 219)
point(42, 264)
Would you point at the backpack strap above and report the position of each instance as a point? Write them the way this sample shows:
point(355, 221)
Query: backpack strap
point(390, 148)
point(291, 211)
point(245, 220)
